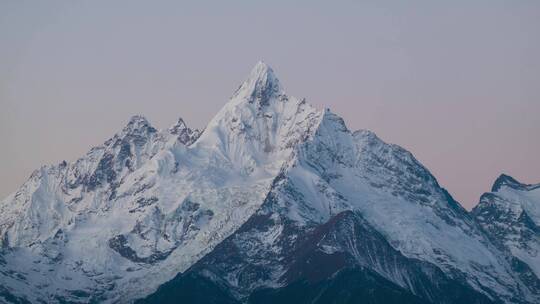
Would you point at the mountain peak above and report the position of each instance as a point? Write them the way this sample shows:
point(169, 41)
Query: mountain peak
point(260, 86)
point(137, 121)
point(270, 176)
point(505, 180)
point(184, 134)
point(178, 127)
point(138, 124)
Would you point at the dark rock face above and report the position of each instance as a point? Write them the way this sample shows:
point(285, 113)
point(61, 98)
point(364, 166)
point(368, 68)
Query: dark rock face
point(120, 244)
point(355, 285)
point(348, 286)
point(191, 288)
point(341, 261)
point(5, 295)
point(143, 202)
point(104, 174)
point(184, 134)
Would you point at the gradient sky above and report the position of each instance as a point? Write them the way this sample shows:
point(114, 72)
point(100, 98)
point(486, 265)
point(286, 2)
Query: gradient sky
point(455, 82)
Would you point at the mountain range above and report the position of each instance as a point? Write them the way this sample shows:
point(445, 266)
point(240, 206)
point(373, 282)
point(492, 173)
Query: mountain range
point(275, 201)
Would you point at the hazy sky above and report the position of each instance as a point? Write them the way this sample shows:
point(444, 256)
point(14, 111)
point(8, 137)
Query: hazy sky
point(455, 82)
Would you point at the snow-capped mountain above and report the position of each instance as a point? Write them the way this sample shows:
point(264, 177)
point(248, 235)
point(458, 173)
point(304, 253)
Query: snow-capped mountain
point(510, 214)
point(274, 200)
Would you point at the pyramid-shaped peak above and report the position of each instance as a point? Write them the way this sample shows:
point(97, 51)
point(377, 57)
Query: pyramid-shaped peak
point(138, 123)
point(507, 180)
point(137, 119)
point(137, 127)
point(261, 68)
point(179, 127)
point(180, 124)
point(261, 85)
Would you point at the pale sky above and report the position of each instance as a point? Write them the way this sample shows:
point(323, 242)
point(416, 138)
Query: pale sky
point(455, 82)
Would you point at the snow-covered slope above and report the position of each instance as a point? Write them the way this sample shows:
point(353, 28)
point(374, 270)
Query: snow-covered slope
point(510, 214)
point(394, 219)
point(267, 172)
point(340, 170)
point(54, 229)
point(147, 204)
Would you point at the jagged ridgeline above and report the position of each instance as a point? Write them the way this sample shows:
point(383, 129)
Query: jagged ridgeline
point(275, 201)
